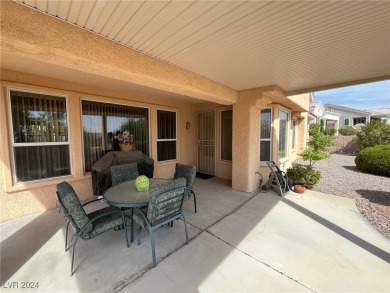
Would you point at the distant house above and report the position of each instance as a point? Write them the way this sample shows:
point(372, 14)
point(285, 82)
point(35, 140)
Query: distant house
point(318, 113)
point(382, 114)
point(336, 116)
point(351, 116)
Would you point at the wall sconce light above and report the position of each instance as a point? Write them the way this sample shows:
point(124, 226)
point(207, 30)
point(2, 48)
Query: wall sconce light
point(188, 125)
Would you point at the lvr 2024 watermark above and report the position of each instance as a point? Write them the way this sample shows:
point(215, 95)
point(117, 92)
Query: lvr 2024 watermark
point(20, 285)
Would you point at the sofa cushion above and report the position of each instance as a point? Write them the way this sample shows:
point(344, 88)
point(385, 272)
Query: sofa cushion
point(123, 173)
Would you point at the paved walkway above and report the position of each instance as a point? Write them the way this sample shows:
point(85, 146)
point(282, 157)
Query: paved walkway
point(303, 243)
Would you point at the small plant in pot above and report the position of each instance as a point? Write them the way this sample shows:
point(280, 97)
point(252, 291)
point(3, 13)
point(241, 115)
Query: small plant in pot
point(303, 176)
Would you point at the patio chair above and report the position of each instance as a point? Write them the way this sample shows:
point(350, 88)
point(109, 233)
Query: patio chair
point(166, 205)
point(189, 173)
point(121, 173)
point(87, 226)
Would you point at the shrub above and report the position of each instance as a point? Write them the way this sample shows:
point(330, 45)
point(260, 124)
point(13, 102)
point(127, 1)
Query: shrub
point(347, 131)
point(374, 160)
point(303, 175)
point(330, 131)
point(374, 133)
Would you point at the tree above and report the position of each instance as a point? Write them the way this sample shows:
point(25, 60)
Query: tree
point(317, 145)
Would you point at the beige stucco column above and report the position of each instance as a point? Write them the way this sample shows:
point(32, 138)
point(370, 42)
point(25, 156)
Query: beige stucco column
point(246, 134)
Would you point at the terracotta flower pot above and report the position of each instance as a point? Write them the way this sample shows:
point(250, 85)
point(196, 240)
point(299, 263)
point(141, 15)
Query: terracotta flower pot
point(299, 188)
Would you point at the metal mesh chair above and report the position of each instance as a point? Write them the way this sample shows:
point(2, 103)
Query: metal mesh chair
point(189, 173)
point(86, 226)
point(166, 205)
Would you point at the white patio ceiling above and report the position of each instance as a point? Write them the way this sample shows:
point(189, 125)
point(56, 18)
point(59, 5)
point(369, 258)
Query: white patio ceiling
point(297, 45)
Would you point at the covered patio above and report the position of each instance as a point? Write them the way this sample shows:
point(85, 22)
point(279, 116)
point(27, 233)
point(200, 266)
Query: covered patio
point(229, 79)
point(238, 242)
point(244, 67)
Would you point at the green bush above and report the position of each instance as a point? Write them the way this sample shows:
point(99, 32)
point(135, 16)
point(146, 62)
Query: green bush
point(303, 175)
point(330, 131)
point(374, 133)
point(347, 131)
point(374, 160)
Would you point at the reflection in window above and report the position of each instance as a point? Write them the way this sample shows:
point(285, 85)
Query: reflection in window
point(40, 136)
point(103, 121)
point(265, 135)
point(283, 128)
point(226, 134)
point(166, 136)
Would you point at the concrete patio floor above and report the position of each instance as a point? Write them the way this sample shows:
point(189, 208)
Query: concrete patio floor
point(239, 242)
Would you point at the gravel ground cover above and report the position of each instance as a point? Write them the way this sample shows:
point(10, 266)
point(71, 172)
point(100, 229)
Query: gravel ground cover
point(339, 176)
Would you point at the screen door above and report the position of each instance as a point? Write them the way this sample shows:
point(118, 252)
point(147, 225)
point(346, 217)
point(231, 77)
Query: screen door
point(206, 142)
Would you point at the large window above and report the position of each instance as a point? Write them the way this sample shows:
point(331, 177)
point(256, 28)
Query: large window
point(294, 134)
point(40, 138)
point(166, 136)
point(102, 122)
point(226, 134)
point(265, 135)
point(283, 134)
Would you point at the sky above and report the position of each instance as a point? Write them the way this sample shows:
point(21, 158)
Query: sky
point(373, 95)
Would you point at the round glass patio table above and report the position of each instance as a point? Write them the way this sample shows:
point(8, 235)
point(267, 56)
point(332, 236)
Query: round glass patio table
point(125, 195)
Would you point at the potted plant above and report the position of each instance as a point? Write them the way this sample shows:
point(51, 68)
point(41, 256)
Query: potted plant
point(126, 141)
point(300, 175)
point(299, 188)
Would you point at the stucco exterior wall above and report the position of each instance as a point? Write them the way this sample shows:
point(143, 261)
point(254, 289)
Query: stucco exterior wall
point(303, 100)
point(31, 197)
point(246, 134)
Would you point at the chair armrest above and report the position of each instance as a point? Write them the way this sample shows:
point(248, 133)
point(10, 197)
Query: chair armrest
point(98, 199)
point(94, 219)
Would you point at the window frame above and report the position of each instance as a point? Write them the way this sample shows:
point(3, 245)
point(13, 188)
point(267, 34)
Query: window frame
point(346, 124)
point(169, 139)
point(220, 135)
point(111, 103)
point(270, 136)
point(34, 144)
point(287, 135)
